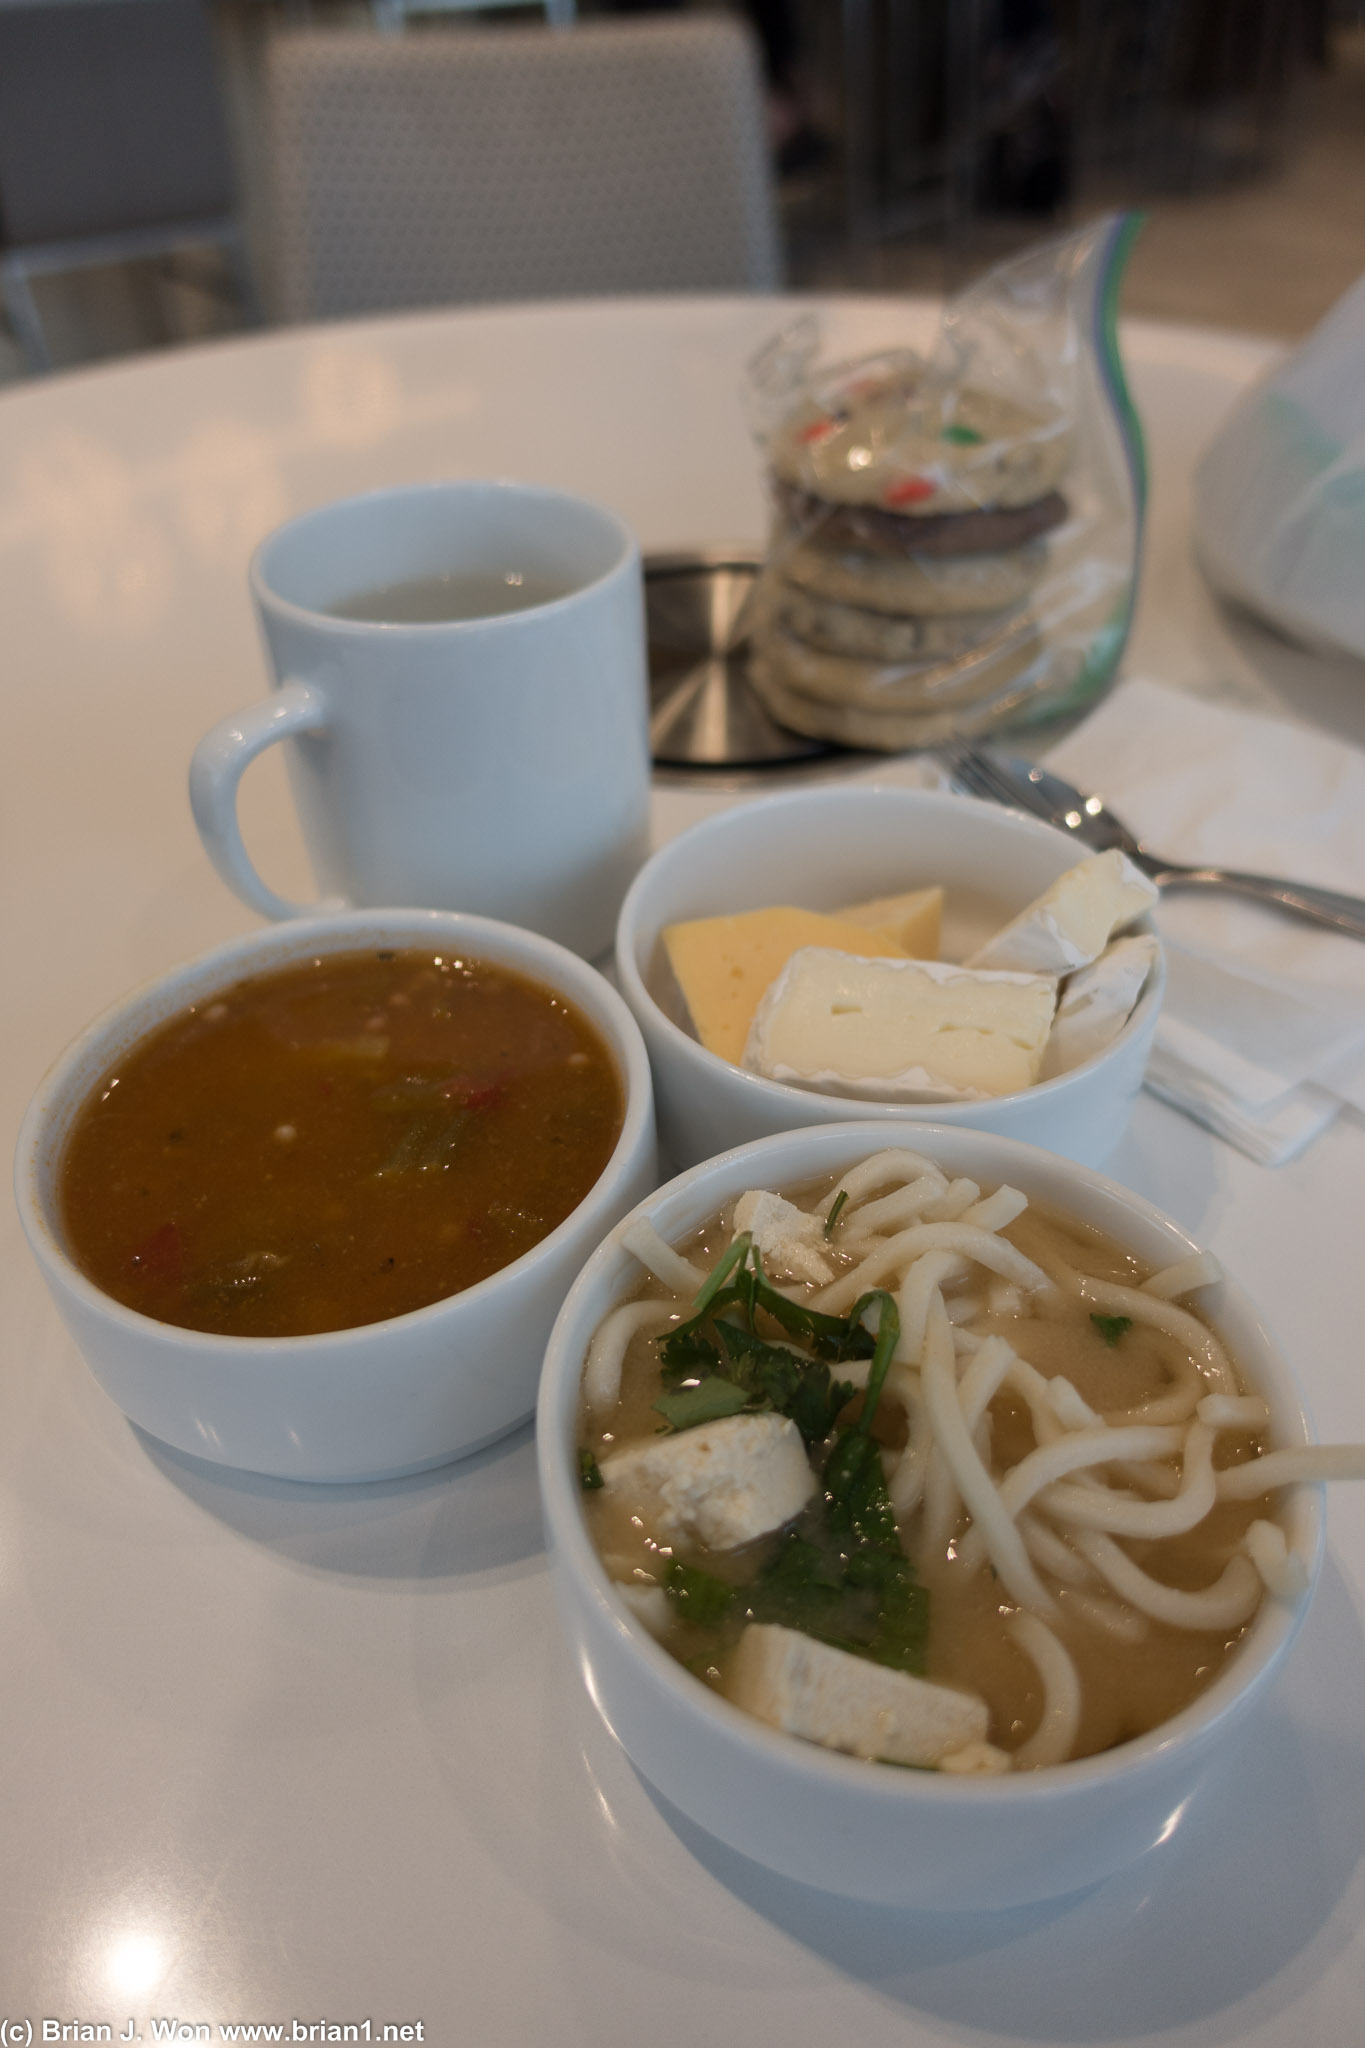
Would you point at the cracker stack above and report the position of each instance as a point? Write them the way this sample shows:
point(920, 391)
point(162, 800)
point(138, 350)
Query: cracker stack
point(911, 516)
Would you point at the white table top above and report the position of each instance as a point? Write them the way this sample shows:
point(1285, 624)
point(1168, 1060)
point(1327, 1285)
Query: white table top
point(277, 1754)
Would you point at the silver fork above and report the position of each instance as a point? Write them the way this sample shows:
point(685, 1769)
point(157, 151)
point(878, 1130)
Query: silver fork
point(1005, 779)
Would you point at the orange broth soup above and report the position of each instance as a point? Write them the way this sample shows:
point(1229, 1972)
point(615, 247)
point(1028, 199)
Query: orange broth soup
point(337, 1143)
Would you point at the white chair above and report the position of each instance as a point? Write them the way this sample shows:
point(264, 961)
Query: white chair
point(470, 164)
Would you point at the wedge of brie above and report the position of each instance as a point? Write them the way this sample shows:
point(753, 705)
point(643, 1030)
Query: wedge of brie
point(1071, 923)
point(900, 1030)
point(723, 964)
point(1097, 1003)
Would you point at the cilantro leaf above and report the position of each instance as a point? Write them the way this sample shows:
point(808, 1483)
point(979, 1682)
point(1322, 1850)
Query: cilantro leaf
point(864, 1601)
point(739, 1282)
point(854, 1487)
point(1111, 1328)
point(840, 1575)
point(855, 1491)
point(816, 1403)
point(782, 1380)
point(687, 1354)
point(721, 1341)
point(900, 1637)
point(708, 1401)
point(699, 1597)
point(720, 1272)
point(802, 1586)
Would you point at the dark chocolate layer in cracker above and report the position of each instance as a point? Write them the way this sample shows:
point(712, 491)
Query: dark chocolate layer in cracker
point(988, 532)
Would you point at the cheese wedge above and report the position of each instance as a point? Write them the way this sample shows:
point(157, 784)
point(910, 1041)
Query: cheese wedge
point(913, 918)
point(723, 964)
point(1097, 1003)
point(1071, 923)
point(886, 1030)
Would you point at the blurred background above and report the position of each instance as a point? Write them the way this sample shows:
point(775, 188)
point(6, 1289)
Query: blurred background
point(905, 145)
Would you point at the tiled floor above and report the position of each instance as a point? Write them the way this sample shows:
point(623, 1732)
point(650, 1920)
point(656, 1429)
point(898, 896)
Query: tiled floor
point(1270, 254)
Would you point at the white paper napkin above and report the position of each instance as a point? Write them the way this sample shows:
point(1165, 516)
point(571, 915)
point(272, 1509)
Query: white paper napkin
point(1262, 1037)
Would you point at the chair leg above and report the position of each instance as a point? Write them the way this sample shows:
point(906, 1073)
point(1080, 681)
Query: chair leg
point(22, 310)
point(239, 262)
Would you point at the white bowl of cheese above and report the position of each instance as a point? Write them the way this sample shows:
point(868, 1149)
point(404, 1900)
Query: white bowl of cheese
point(817, 862)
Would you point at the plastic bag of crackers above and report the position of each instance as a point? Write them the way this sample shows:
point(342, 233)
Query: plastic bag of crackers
point(955, 537)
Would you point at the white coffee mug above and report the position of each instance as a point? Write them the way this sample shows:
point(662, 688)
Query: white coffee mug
point(493, 760)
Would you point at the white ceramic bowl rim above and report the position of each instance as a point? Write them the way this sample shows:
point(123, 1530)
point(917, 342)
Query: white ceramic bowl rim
point(629, 933)
point(1274, 1622)
point(254, 952)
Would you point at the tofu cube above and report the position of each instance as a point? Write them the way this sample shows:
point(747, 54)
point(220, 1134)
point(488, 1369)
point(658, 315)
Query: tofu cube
point(790, 1242)
point(848, 1703)
point(649, 1604)
point(721, 1484)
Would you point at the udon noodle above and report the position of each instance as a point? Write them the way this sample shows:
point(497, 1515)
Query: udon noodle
point(1060, 1502)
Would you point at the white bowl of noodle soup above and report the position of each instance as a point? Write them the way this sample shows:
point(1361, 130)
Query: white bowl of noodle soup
point(919, 1838)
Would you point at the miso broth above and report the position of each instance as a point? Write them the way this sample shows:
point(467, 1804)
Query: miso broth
point(1134, 1670)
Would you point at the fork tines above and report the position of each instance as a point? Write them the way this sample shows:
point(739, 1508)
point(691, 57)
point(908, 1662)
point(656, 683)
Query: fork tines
point(978, 773)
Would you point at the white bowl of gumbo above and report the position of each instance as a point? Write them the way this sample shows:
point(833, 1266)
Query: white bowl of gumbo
point(285, 1197)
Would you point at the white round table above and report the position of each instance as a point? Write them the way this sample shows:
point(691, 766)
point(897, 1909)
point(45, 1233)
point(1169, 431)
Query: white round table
point(316, 1759)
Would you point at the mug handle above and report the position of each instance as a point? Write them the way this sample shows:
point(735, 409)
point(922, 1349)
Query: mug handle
point(216, 769)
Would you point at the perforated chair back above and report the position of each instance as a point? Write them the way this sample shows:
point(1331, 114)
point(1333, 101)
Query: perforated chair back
point(466, 164)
